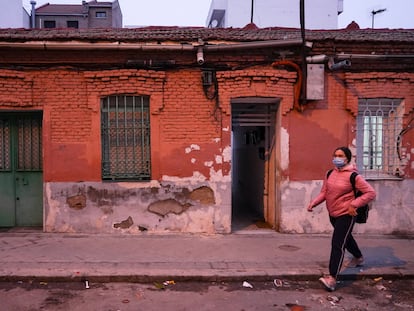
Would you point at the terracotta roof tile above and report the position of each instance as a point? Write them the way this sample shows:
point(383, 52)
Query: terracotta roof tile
point(59, 9)
point(191, 34)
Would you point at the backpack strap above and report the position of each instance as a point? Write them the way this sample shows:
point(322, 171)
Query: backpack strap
point(352, 179)
point(328, 173)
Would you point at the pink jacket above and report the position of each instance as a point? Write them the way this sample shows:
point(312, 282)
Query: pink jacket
point(339, 195)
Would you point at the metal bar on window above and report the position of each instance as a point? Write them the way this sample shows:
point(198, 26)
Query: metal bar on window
point(143, 157)
point(134, 129)
point(127, 157)
point(125, 129)
point(117, 133)
point(378, 126)
point(5, 145)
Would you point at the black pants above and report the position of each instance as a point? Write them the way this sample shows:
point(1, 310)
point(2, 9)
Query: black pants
point(342, 240)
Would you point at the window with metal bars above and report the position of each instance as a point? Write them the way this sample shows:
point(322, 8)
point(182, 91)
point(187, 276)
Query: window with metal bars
point(125, 131)
point(21, 142)
point(379, 123)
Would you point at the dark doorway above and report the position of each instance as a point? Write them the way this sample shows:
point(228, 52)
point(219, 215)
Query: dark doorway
point(253, 136)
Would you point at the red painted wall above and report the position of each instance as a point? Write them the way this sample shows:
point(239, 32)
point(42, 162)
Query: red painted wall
point(181, 115)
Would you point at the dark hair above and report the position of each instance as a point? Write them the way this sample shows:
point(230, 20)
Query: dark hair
point(347, 152)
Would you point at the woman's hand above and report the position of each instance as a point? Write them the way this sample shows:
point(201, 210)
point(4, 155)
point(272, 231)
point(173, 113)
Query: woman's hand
point(310, 208)
point(352, 211)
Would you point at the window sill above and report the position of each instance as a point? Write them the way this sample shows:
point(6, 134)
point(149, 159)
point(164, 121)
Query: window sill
point(379, 176)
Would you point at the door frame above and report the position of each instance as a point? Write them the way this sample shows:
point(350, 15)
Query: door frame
point(271, 192)
point(22, 160)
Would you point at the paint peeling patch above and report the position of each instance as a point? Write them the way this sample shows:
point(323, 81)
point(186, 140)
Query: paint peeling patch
point(227, 154)
point(226, 129)
point(219, 159)
point(193, 160)
point(142, 228)
point(196, 178)
point(216, 140)
point(204, 195)
point(125, 224)
point(217, 176)
point(208, 163)
point(191, 148)
point(165, 207)
point(77, 202)
point(284, 137)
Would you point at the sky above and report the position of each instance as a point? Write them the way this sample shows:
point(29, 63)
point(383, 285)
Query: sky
point(398, 13)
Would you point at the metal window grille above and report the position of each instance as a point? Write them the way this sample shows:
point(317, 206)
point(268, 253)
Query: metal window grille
point(21, 143)
point(125, 129)
point(29, 149)
point(379, 123)
point(5, 163)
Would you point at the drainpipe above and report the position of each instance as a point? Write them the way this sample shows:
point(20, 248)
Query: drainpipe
point(373, 56)
point(252, 44)
point(320, 59)
point(303, 54)
point(33, 17)
point(200, 56)
point(53, 45)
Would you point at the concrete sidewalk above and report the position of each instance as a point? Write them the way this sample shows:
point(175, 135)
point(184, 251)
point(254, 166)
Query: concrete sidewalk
point(250, 255)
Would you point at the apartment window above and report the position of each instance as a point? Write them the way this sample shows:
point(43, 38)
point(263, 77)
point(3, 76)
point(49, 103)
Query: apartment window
point(72, 24)
point(379, 124)
point(49, 24)
point(125, 130)
point(100, 14)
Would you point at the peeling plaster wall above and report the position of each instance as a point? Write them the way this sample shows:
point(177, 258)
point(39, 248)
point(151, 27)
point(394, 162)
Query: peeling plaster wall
point(391, 212)
point(95, 207)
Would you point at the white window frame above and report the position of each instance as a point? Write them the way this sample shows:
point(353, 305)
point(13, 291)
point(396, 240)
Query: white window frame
point(101, 14)
point(379, 124)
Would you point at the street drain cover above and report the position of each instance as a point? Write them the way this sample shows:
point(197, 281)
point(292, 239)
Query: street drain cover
point(289, 248)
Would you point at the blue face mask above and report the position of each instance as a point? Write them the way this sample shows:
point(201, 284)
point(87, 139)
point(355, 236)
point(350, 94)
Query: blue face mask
point(339, 162)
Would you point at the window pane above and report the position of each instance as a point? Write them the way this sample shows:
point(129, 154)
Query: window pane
point(126, 138)
point(100, 14)
point(49, 24)
point(379, 123)
point(72, 24)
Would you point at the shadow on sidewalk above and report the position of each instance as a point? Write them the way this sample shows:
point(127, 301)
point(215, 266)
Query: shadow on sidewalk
point(377, 257)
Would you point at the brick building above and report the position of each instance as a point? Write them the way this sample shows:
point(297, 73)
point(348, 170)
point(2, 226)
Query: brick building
point(166, 129)
point(89, 14)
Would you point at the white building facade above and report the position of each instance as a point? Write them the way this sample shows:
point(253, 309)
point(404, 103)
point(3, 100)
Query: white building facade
point(13, 15)
point(319, 14)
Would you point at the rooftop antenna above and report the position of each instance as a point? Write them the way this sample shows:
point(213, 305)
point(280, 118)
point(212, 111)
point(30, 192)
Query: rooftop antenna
point(251, 12)
point(375, 12)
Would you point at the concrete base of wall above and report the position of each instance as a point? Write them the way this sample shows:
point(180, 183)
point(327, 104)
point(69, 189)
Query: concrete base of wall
point(96, 207)
point(391, 212)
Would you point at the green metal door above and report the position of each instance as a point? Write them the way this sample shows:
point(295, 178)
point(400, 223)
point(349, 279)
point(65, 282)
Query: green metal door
point(21, 179)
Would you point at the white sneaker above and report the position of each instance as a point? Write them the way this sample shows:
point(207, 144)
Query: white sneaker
point(355, 262)
point(329, 282)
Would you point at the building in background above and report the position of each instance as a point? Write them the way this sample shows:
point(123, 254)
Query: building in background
point(13, 15)
point(89, 14)
point(319, 14)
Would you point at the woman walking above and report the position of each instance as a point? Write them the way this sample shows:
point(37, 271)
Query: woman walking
point(342, 207)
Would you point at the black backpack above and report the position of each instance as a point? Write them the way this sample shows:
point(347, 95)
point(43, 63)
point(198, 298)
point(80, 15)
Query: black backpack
point(362, 212)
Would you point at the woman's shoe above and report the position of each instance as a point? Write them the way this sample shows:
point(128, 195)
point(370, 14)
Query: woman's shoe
point(329, 282)
point(355, 262)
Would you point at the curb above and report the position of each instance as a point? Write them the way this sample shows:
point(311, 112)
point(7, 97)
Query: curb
point(193, 278)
